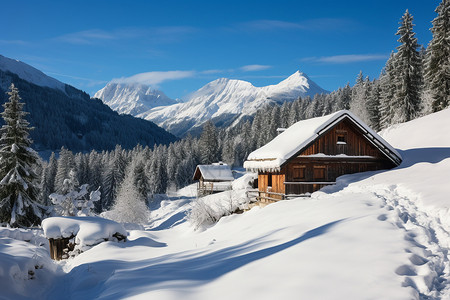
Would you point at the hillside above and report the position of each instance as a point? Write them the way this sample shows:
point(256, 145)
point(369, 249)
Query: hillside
point(375, 235)
point(65, 116)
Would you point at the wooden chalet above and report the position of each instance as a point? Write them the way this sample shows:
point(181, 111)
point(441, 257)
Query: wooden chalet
point(213, 178)
point(313, 153)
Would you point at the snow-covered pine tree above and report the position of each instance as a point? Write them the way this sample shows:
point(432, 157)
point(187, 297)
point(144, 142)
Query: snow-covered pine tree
point(437, 72)
point(373, 106)
point(360, 92)
point(407, 102)
point(228, 155)
point(113, 175)
point(18, 181)
point(130, 206)
point(172, 161)
point(66, 162)
point(387, 92)
point(141, 180)
point(208, 143)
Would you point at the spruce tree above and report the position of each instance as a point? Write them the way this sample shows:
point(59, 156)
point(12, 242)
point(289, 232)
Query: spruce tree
point(407, 103)
point(208, 143)
point(387, 92)
point(18, 181)
point(437, 72)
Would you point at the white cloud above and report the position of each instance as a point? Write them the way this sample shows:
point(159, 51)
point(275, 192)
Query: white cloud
point(349, 58)
point(86, 37)
point(155, 78)
point(271, 25)
point(251, 68)
point(161, 34)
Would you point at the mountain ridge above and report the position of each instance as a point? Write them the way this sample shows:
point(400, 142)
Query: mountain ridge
point(66, 116)
point(226, 101)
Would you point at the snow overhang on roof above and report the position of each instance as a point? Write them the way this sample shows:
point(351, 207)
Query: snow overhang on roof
point(214, 172)
point(270, 157)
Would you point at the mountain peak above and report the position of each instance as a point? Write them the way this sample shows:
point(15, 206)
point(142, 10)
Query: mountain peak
point(132, 98)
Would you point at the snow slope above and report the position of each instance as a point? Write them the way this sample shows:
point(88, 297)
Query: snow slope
point(374, 235)
point(132, 98)
point(30, 74)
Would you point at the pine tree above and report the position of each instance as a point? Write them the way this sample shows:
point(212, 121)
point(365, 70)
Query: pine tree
point(407, 102)
point(387, 92)
point(208, 143)
point(48, 180)
point(373, 106)
point(130, 206)
point(140, 178)
point(66, 163)
point(437, 72)
point(360, 92)
point(18, 181)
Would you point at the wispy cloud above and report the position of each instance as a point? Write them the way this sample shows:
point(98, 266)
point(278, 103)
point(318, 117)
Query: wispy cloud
point(319, 24)
point(89, 81)
point(345, 59)
point(14, 42)
point(153, 34)
point(251, 68)
point(87, 37)
point(265, 25)
point(155, 78)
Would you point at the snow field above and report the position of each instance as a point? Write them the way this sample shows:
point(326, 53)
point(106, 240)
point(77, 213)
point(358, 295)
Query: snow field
point(374, 235)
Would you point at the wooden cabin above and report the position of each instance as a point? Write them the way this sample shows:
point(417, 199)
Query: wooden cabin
point(313, 153)
point(213, 178)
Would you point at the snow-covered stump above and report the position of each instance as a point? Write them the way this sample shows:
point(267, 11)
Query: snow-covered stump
point(69, 236)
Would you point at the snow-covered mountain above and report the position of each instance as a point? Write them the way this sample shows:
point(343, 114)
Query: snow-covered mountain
point(30, 74)
point(226, 100)
point(223, 101)
point(133, 99)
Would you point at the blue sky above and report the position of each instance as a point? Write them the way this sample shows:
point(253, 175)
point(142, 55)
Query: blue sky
point(178, 46)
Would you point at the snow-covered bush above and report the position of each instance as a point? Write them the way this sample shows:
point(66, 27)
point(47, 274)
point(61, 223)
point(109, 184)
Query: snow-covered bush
point(208, 210)
point(76, 201)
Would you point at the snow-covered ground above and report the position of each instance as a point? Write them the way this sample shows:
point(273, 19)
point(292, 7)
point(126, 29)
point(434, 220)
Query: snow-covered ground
point(374, 235)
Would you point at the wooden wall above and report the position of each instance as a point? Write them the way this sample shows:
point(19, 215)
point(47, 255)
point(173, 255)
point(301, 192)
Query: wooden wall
point(356, 143)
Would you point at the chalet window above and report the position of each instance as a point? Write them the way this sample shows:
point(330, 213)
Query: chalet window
point(269, 179)
point(299, 172)
point(320, 172)
point(341, 137)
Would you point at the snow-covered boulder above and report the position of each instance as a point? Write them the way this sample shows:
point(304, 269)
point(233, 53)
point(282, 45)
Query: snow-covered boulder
point(82, 232)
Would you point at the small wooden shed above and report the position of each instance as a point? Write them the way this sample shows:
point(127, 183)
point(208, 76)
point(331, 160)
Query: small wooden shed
point(313, 153)
point(213, 178)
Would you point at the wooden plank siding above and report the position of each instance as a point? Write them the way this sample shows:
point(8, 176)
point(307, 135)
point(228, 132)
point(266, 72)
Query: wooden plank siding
point(355, 145)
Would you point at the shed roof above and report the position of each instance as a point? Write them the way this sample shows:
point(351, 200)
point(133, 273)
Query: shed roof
point(274, 154)
point(214, 172)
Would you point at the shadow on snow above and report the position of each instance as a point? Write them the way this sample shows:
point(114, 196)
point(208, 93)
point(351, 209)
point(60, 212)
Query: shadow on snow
point(119, 279)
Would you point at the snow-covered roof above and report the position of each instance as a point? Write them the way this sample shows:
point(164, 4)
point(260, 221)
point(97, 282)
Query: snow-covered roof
point(214, 172)
point(88, 231)
point(274, 154)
